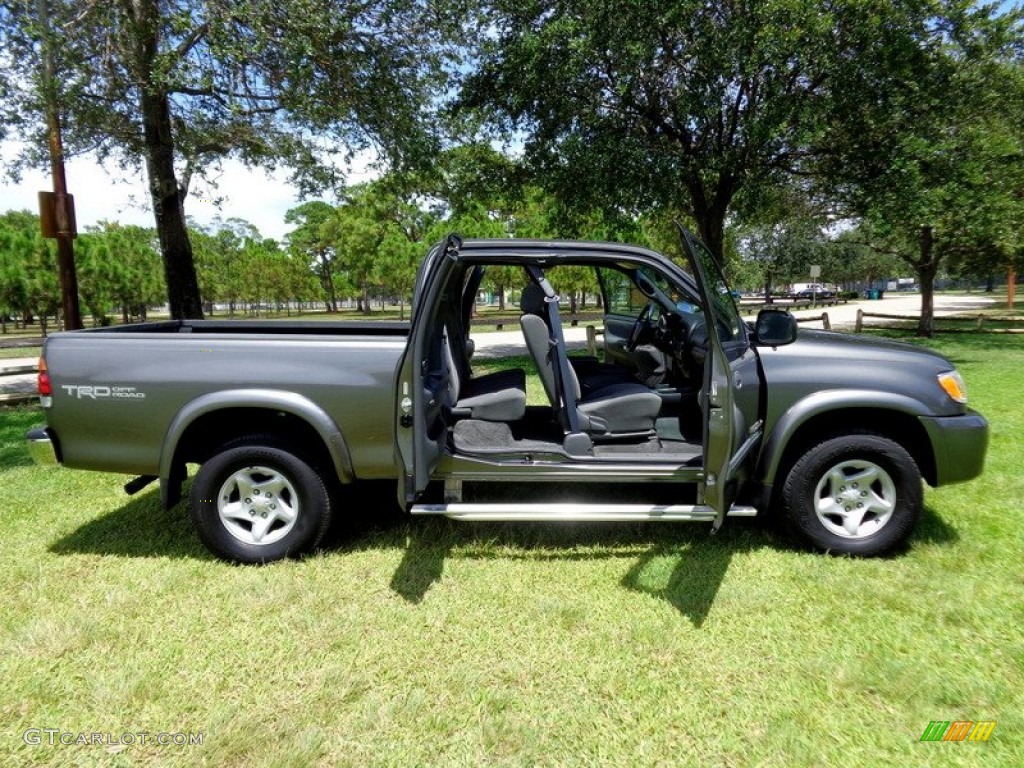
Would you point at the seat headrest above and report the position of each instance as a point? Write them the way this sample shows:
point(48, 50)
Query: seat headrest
point(532, 301)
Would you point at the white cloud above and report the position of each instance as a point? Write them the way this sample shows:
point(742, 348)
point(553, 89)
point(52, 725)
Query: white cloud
point(254, 195)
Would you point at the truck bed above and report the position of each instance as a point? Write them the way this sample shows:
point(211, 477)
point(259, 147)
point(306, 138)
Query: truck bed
point(120, 392)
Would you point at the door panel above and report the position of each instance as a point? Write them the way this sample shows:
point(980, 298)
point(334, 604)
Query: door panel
point(422, 384)
point(730, 381)
point(623, 304)
point(616, 333)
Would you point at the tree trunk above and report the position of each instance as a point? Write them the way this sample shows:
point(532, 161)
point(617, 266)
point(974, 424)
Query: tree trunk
point(168, 198)
point(1011, 286)
point(327, 280)
point(709, 212)
point(365, 301)
point(927, 268)
point(712, 232)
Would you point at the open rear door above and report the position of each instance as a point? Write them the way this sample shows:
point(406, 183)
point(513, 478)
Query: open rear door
point(729, 361)
point(421, 388)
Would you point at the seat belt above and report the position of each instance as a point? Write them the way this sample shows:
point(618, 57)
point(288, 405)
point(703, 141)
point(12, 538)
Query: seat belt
point(556, 341)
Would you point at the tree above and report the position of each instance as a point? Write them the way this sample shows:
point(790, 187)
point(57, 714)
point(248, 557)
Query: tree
point(707, 107)
point(119, 266)
point(310, 240)
point(933, 165)
point(28, 269)
point(178, 85)
point(672, 104)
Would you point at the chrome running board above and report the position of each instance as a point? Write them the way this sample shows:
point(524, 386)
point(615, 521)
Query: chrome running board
point(481, 512)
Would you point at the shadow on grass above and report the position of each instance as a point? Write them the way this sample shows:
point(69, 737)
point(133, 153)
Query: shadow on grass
point(696, 576)
point(932, 529)
point(422, 564)
point(681, 564)
point(141, 528)
point(697, 562)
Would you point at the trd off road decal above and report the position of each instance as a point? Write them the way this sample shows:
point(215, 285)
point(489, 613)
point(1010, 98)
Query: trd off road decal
point(102, 392)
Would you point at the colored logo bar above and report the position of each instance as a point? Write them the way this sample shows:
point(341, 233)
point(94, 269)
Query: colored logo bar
point(958, 730)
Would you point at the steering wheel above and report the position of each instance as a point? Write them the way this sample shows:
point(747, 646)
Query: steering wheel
point(639, 326)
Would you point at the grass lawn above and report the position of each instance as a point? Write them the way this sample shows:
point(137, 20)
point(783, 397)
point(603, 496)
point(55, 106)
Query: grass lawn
point(428, 642)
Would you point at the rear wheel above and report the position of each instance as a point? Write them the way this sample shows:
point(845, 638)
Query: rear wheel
point(255, 503)
point(855, 494)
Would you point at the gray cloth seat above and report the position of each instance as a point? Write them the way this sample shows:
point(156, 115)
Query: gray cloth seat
point(498, 396)
point(615, 410)
point(594, 375)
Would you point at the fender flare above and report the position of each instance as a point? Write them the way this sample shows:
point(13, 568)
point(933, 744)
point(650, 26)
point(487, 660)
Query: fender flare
point(819, 403)
point(277, 400)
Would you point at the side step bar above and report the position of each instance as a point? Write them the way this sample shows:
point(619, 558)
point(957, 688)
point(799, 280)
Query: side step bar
point(481, 512)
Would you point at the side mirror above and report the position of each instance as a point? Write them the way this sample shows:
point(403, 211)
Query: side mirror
point(775, 328)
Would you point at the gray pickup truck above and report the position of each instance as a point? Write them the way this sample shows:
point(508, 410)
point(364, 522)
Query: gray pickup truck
point(692, 415)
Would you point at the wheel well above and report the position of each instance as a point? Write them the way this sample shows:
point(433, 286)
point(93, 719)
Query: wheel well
point(208, 433)
point(897, 426)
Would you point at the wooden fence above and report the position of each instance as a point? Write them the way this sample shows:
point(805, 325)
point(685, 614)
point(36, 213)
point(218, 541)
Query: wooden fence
point(11, 394)
point(978, 320)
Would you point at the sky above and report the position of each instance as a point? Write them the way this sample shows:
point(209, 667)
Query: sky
point(251, 194)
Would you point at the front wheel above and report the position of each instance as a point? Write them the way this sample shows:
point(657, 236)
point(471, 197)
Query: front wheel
point(855, 494)
point(259, 503)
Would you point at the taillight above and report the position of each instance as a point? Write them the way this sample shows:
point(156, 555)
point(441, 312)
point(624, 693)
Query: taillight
point(45, 387)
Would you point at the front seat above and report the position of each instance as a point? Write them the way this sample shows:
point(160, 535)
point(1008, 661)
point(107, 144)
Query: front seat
point(616, 410)
point(591, 373)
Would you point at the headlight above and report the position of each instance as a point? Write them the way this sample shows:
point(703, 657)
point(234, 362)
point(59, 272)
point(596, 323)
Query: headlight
point(952, 382)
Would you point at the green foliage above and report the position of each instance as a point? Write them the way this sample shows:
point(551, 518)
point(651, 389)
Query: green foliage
point(933, 162)
point(428, 642)
point(681, 105)
point(310, 242)
point(28, 270)
point(238, 267)
point(119, 266)
point(181, 85)
point(248, 78)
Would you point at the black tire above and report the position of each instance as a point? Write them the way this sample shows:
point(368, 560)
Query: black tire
point(857, 494)
point(285, 514)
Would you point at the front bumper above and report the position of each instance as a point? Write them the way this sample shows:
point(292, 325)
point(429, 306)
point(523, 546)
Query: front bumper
point(959, 443)
point(42, 446)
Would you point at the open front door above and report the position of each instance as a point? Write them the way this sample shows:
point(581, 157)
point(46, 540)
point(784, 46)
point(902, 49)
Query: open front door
point(421, 389)
point(730, 363)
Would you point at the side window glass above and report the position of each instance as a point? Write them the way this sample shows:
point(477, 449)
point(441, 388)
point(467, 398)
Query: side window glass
point(729, 320)
point(622, 295)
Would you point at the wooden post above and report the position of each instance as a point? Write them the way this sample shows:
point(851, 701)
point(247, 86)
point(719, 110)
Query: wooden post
point(64, 216)
point(981, 321)
point(591, 340)
point(825, 322)
point(859, 325)
point(1011, 286)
